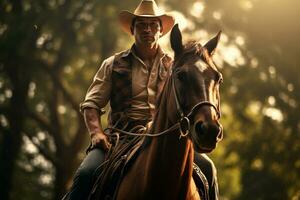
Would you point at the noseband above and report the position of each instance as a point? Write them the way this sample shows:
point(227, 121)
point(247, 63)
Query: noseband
point(184, 123)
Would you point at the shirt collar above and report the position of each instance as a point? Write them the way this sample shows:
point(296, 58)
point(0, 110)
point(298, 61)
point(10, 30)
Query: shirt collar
point(132, 51)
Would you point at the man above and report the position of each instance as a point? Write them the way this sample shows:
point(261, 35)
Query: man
point(130, 81)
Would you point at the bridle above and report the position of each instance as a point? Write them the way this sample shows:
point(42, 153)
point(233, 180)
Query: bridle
point(183, 124)
point(184, 121)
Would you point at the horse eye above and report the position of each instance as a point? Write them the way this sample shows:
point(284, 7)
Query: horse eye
point(182, 76)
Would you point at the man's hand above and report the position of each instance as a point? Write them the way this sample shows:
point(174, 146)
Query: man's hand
point(101, 140)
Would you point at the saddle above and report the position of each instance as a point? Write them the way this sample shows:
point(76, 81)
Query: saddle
point(120, 159)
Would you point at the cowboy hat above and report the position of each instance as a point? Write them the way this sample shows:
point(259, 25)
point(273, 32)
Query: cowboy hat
point(147, 8)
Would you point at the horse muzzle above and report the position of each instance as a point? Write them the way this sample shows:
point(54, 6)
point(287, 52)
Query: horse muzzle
point(206, 135)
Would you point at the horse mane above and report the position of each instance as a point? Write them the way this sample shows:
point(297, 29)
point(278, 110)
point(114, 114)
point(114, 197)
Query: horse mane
point(193, 48)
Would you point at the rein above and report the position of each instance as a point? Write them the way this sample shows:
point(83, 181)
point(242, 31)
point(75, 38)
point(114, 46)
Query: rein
point(172, 128)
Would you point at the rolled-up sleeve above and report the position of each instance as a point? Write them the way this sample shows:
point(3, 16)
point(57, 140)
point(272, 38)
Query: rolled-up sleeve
point(99, 91)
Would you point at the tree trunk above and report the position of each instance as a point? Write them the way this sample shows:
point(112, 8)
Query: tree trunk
point(12, 139)
point(9, 151)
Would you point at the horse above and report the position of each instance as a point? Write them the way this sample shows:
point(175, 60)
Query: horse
point(187, 120)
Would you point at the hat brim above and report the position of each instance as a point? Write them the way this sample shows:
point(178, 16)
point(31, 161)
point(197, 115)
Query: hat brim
point(126, 17)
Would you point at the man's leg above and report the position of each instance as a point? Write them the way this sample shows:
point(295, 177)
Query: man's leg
point(209, 170)
point(82, 182)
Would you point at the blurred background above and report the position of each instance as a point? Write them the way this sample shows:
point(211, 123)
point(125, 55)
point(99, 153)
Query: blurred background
point(50, 50)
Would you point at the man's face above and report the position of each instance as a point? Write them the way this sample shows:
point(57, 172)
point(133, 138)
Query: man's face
point(146, 31)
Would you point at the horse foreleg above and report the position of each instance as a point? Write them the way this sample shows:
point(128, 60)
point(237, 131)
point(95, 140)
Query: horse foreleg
point(193, 193)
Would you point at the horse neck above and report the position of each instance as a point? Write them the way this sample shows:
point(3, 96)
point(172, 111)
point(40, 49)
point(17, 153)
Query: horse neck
point(169, 156)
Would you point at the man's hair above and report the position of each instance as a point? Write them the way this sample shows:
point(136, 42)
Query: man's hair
point(134, 19)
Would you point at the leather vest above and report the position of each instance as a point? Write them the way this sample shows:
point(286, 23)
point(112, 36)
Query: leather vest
point(121, 92)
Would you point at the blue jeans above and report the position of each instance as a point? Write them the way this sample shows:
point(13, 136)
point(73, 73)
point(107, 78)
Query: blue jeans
point(83, 179)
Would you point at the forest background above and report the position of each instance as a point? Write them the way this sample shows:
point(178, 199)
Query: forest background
point(50, 50)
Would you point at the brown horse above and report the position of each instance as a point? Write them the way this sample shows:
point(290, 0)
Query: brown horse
point(190, 106)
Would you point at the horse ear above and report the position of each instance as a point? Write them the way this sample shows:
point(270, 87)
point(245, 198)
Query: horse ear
point(176, 40)
point(211, 45)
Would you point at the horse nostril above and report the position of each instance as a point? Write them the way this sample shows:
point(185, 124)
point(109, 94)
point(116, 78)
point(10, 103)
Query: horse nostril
point(216, 131)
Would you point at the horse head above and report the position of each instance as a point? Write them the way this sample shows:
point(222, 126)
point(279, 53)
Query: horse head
point(196, 82)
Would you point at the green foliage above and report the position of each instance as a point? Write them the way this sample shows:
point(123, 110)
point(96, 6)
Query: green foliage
point(50, 50)
point(34, 176)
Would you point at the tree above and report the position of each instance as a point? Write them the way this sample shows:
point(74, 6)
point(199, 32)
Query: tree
point(49, 51)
